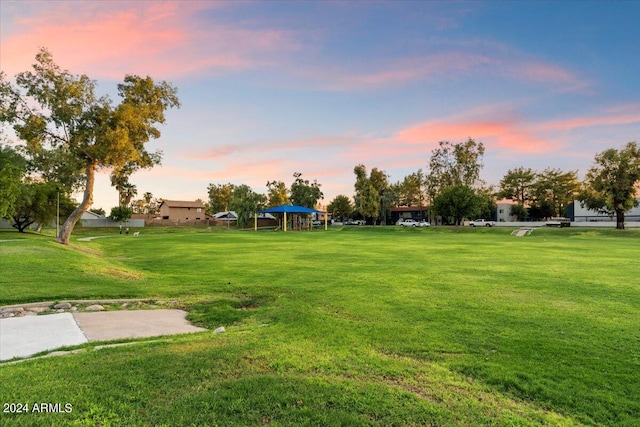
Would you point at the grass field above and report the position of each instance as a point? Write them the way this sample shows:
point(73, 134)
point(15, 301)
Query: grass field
point(355, 326)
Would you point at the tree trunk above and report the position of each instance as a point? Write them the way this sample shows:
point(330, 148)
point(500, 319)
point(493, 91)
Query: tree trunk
point(87, 200)
point(620, 219)
point(21, 224)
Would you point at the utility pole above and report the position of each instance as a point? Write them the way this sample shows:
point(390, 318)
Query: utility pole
point(58, 213)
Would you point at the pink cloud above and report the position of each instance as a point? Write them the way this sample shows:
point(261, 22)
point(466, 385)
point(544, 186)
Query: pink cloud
point(254, 172)
point(100, 39)
point(581, 122)
point(110, 39)
point(463, 61)
point(393, 71)
point(507, 135)
point(540, 72)
point(223, 151)
point(510, 135)
point(176, 172)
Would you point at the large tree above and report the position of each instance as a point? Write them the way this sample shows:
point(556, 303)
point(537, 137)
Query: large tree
point(278, 193)
point(412, 190)
point(12, 171)
point(557, 189)
point(304, 192)
point(611, 184)
point(362, 180)
point(220, 196)
point(245, 202)
point(374, 197)
point(386, 197)
point(120, 213)
point(457, 202)
point(369, 202)
point(147, 205)
point(38, 203)
point(71, 133)
point(340, 207)
point(518, 184)
point(455, 164)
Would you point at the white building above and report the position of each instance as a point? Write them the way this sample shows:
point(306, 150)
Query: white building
point(503, 211)
point(579, 213)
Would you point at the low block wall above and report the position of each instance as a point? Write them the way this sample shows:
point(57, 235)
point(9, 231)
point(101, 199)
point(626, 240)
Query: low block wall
point(132, 223)
point(605, 224)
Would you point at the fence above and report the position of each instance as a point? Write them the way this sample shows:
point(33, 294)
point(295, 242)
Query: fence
point(106, 222)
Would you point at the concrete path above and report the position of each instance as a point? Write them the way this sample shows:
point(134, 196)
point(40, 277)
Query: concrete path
point(112, 325)
point(25, 336)
point(88, 239)
point(28, 335)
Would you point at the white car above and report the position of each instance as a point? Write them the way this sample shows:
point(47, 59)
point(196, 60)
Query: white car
point(413, 223)
point(481, 223)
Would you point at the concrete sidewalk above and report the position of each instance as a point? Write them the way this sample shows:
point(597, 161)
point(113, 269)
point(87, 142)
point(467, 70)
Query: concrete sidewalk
point(25, 336)
point(28, 335)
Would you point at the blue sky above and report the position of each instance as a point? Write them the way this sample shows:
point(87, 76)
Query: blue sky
point(272, 88)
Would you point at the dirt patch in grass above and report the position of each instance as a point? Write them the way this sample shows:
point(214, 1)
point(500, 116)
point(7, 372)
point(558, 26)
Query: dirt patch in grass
point(225, 311)
point(122, 274)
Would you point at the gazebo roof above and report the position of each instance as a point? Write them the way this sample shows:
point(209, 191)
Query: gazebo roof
point(289, 209)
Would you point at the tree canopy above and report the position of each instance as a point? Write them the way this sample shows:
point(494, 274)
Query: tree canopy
point(545, 194)
point(12, 170)
point(610, 185)
point(147, 205)
point(120, 213)
point(246, 202)
point(220, 196)
point(455, 164)
point(340, 207)
point(304, 192)
point(411, 191)
point(556, 189)
point(278, 194)
point(368, 191)
point(38, 203)
point(457, 202)
point(518, 184)
point(70, 133)
point(374, 197)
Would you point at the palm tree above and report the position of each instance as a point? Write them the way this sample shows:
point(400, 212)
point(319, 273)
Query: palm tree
point(147, 197)
point(128, 192)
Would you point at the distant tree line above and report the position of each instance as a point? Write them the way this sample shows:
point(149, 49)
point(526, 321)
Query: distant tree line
point(452, 189)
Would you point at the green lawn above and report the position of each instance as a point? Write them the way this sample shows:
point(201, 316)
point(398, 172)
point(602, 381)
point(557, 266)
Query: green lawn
point(355, 326)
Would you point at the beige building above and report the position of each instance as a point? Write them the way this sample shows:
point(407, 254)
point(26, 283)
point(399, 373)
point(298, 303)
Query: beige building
point(181, 211)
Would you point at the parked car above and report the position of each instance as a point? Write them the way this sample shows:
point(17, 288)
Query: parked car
point(559, 222)
point(355, 222)
point(481, 223)
point(413, 223)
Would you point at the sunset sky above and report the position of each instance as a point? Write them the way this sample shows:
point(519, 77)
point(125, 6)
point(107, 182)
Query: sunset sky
point(272, 88)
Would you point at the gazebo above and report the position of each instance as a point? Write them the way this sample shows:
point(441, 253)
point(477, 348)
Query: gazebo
point(288, 209)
